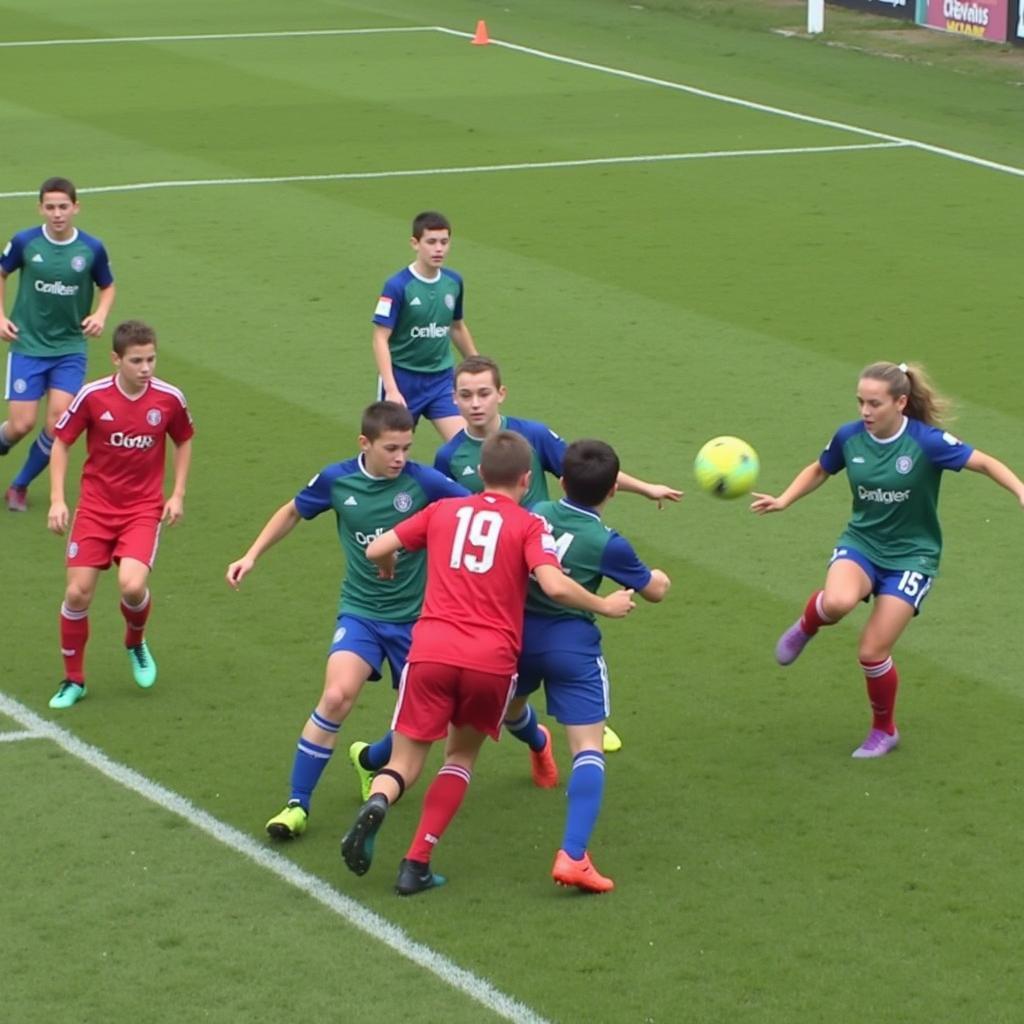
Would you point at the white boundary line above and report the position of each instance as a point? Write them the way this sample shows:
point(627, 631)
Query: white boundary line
point(13, 737)
point(375, 926)
point(479, 169)
point(298, 33)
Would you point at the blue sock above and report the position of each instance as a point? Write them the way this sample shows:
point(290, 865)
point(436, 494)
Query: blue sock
point(38, 459)
point(376, 755)
point(586, 788)
point(310, 762)
point(525, 728)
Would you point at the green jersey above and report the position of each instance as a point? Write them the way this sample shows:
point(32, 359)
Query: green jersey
point(55, 289)
point(459, 458)
point(420, 314)
point(588, 551)
point(895, 485)
point(367, 506)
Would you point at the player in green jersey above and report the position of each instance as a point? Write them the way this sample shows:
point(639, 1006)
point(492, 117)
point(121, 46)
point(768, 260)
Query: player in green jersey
point(417, 320)
point(59, 269)
point(368, 494)
point(894, 456)
point(479, 395)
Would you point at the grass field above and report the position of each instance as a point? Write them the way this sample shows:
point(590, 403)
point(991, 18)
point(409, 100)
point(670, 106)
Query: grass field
point(652, 262)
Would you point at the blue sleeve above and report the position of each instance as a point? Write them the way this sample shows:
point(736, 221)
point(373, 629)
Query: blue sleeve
point(315, 497)
point(457, 311)
point(621, 563)
point(550, 448)
point(389, 305)
point(101, 272)
point(10, 259)
point(443, 458)
point(943, 449)
point(833, 459)
point(435, 484)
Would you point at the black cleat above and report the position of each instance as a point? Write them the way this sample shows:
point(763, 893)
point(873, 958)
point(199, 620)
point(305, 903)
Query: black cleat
point(357, 843)
point(415, 876)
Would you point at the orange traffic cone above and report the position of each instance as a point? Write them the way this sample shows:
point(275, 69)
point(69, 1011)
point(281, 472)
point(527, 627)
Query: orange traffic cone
point(480, 37)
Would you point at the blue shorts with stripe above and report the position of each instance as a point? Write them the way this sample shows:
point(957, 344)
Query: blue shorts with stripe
point(375, 642)
point(425, 394)
point(909, 586)
point(565, 655)
point(30, 377)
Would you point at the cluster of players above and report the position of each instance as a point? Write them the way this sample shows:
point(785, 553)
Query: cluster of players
point(441, 561)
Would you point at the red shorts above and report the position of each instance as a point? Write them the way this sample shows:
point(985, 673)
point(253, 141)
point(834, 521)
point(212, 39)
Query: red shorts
point(96, 540)
point(432, 695)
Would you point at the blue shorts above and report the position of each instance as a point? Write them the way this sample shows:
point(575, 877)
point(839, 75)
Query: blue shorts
point(905, 584)
point(565, 655)
point(425, 394)
point(374, 642)
point(30, 377)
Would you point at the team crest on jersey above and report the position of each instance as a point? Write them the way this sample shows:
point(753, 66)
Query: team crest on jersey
point(403, 501)
point(153, 417)
point(20, 386)
point(78, 263)
point(339, 635)
point(449, 301)
point(904, 464)
point(72, 549)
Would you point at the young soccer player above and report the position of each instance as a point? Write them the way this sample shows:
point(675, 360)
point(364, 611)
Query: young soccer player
point(894, 456)
point(127, 419)
point(368, 495)
point(479, 395)
point(60, 267)
point(417, 319)
point(461, 671)
point(562, 650)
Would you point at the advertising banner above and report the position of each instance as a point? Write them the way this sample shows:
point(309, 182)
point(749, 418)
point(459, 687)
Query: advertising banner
point(1017, 22)
point(982, 19)
point(892, 8)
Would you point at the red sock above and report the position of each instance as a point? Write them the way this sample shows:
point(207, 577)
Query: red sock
point(135, 620)
point(440, 804)
point(74, 634)
point(813, 618)
point(883, 680)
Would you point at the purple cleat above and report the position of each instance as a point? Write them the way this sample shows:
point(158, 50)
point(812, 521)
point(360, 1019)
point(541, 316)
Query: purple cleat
point(790, 644)
point(878, 744)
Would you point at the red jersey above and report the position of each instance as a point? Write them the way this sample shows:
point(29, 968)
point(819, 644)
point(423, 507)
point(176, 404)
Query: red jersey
point(480, 553)
point(126, 441)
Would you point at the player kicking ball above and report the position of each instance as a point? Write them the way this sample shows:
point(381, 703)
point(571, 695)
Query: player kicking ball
point(127, 419)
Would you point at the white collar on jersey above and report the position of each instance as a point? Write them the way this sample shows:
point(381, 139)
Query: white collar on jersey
point(55, 241)
point(420, 277)
point(889, 440)
point(361, 459)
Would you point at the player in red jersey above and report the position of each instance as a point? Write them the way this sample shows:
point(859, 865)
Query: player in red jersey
point(461, 671)
point(126, 418)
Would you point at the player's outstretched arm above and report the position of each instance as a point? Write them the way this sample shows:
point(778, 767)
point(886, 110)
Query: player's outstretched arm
point(810, 478)
point(382, 551)
point(278, 526)
point(382, 357)
point(174, 507)
point(998, 471)
point(560, 588)
point(656, 590)
point(57, 518)
point(93, 324)
point(655, 492)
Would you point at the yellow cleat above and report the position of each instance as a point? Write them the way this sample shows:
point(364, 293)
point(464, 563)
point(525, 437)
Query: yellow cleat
point(610, 742)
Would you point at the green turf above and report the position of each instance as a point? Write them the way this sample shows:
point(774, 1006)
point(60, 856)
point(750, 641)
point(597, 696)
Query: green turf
point(762, 876)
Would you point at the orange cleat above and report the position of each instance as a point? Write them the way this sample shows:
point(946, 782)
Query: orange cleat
point(542, 763)
point(579, 873)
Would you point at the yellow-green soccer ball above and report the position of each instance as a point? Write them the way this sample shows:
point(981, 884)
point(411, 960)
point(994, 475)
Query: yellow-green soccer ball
point(726, 467)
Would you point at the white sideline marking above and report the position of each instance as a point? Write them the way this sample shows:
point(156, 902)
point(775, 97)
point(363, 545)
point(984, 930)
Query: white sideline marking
point(479, 169)
point(216, 35)
point(354, 913)
point(13, 737)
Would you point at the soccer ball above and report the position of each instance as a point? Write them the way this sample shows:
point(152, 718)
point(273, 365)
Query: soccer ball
point(726, 467)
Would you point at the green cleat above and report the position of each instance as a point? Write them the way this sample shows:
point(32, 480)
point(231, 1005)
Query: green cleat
point(143, 665)
point(68, 693)
point(357, 843)
point(365, 775)
point(290, 823)
point(414, 876)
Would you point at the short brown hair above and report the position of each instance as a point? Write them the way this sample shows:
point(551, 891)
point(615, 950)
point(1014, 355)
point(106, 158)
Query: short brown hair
point(132, 332)
point(380, 417)
point(504, 458)
point(429, 220)
point(58, 185)
point(478, 364)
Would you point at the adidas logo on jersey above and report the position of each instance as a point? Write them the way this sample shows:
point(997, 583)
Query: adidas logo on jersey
point(350, 501)
point(415, 301)
point(37, 258)
point(469, 471)
point(108, 416)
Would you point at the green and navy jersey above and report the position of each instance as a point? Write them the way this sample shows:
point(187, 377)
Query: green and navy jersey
point(55, 289)
point(895, 485)
point(367, 506)
point(588, 551)
point(420, 314)
point(459, 458)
